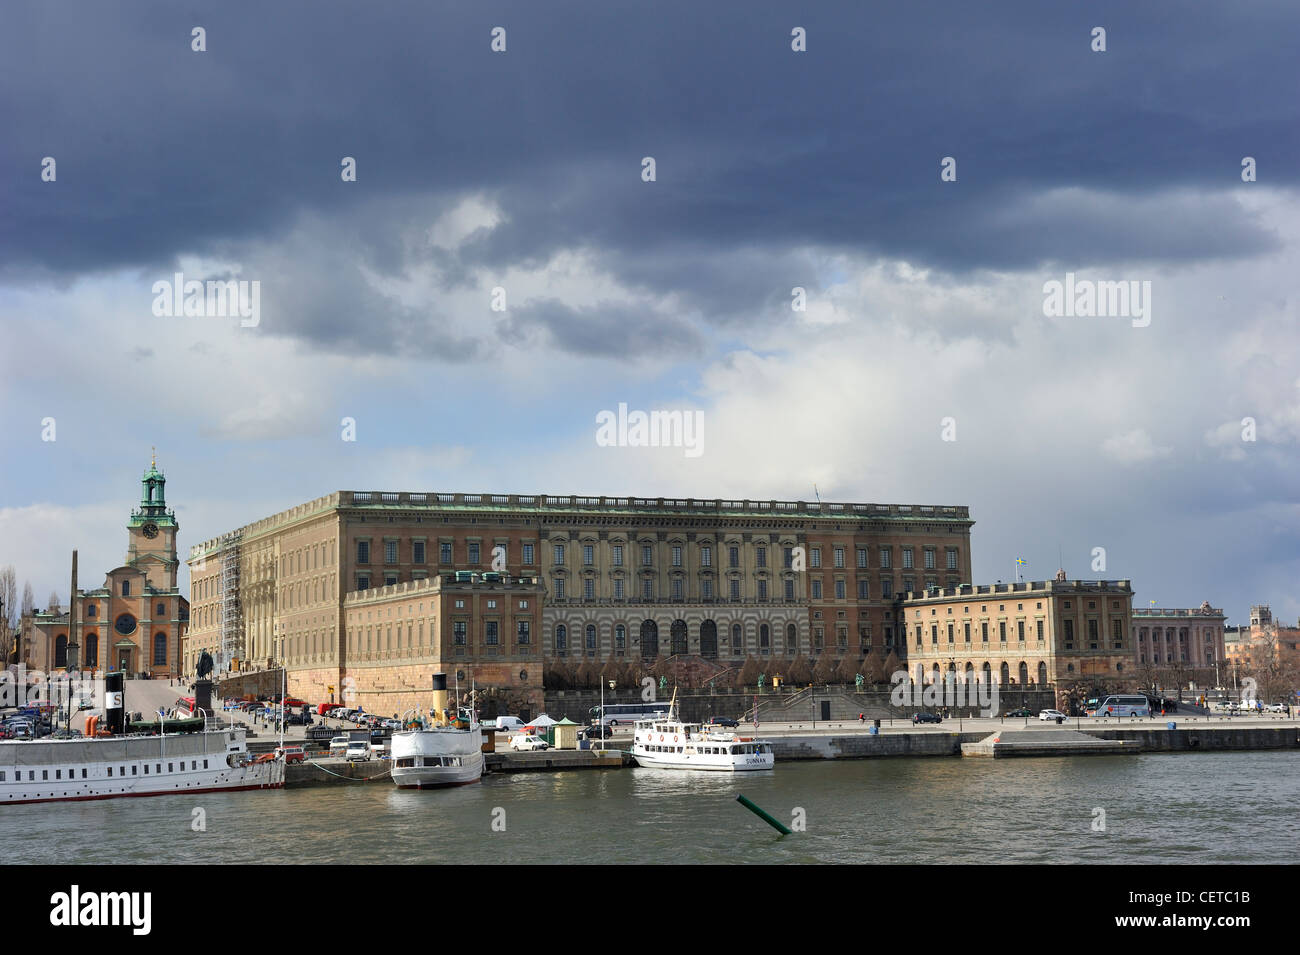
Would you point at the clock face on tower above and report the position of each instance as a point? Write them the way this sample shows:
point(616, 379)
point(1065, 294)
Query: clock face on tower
point(150, 530)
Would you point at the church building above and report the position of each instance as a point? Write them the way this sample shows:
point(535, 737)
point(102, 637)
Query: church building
point(136, 621)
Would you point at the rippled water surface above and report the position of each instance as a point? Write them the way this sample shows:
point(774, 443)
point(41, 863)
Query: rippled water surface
point(1214, 807)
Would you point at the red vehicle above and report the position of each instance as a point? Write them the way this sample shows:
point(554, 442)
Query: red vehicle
point(327, 708)
point(294, 702)
point(292, 754)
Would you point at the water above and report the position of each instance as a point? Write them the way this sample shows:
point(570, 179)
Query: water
point(1161, 808)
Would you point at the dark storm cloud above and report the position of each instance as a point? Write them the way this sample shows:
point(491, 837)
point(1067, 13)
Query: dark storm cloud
point(606, 331)
point(761, 152)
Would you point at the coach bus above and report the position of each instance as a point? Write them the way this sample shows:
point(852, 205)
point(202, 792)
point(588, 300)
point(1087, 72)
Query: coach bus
point(1124, 706)
point(625, 714)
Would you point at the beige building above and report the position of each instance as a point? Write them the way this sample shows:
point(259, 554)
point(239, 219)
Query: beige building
point(1187, 642)
point(136, 622)
point(623, 577)
point(1030, 633)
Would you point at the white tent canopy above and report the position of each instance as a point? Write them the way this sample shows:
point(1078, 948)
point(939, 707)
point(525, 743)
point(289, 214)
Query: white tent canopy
point(542, 720)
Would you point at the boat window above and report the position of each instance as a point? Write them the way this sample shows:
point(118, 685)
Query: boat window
point(146, 769)
point(135, 770)
point(110, 770)
point(83, 774)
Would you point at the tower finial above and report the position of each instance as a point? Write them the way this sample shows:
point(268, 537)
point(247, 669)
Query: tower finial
point(154, 462)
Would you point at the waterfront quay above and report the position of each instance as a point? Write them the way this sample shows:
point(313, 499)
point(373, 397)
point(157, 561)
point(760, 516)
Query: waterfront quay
point(855, 740)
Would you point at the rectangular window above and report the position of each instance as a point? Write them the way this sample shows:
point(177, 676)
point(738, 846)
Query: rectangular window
point(966, 628)
point(528, 555)
point(588, 589)
point(588, 555)
point(363, 582)
point(886, 587)
point(557, 555)
point(444, 552)
point(839, 556)
point(815, 557)
point(618, 588)
point(863, 589)
point(474, 557)
point(363, 552)
point(1002, 631)
point(907, 558)
point(490, 633)
point(735, 590)
point(559, 588)
point(417, 552)
point(390, 580)
point(929, 558)
point(706, 589)
point(862, 557)
point(733, 556)
point(1117, 633)
point(934, 633)
point(952, 559)
point(458, 633)
point(1040, 630)
point(950, 633)
point(839, 589)
point(817, 589)
point(677, 555)
point(706, 556)
point(647, 590)
point(1092, 633)
point(522, 633)
point(787, 557)
point(647, 555)
point(1020, 630)
point(618, 555)
point(789, 590)
point(762, 590)
point(677, 588)
point(760, 556)
point(390, 552)
point(884, 557)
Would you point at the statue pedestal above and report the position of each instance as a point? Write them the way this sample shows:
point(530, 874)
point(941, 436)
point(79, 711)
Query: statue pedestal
point(203, 695)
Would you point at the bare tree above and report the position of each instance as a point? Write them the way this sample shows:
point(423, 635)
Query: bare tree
point(29, 600)
point(9, 597)
point(53, 605)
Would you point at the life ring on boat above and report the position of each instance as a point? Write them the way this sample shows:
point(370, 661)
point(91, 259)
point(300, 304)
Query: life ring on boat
point(674, 739)
point(661, 738)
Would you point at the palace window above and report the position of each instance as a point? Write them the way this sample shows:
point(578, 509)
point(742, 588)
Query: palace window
point(363, 552)
point(474, 553)
point(528, 555)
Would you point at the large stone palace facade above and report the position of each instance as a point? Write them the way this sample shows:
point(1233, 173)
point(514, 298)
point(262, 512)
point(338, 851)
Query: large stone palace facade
point(618, 577)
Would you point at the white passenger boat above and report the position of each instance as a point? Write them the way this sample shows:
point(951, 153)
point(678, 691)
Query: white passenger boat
point(448, 753)
point(668, 743)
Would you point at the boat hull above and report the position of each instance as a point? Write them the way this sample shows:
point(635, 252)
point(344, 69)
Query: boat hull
point(79, 770)
point(437, 758)
point(718, 764)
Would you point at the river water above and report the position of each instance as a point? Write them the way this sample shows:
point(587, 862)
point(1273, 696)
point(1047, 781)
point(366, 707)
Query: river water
point(1162, 808)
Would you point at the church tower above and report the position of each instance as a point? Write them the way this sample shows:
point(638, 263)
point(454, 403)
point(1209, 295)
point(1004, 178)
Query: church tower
point(152, 530)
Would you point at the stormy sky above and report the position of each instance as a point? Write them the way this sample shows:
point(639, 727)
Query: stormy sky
point(515, 177)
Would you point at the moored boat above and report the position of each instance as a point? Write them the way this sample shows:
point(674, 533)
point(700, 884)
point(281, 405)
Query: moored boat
point(668, 743)
point(447, 753)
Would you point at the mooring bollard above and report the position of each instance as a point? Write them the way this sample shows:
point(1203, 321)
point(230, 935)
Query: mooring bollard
point(779, 827)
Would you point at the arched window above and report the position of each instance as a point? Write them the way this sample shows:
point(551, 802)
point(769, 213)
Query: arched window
point(709, 640)
point(649, 640)
point(1042, 674)
point(591, 636)
point(677, 635)
point(970, 673)
point(791, 638)
point(561, 639)
point(764, 638)
point(92, 650)
point(987, 673)
point(620, 638)
point(1006, 674)
point(1024, 673)
point(60, 651)
point(737, 640)
point(160, 649)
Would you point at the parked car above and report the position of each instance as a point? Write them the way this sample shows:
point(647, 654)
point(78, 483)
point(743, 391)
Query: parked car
point(526, 744)
point(926, 718)
point(391, 724)
point(723, 721)
point(339, 746)
point(1277, 707)
point(1022, 711)
point(358, 750)
point(292, 754)
point(1052, 715)
point(599, 732)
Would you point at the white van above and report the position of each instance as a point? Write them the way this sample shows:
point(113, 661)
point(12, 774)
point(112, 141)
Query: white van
point(509, 724)
point(358, 749)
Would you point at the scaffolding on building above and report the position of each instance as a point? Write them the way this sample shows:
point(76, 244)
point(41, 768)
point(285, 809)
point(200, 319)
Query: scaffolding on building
point(232, 614)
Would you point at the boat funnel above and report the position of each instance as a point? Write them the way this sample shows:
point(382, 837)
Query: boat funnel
point(115, 703)
point(439, 698)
